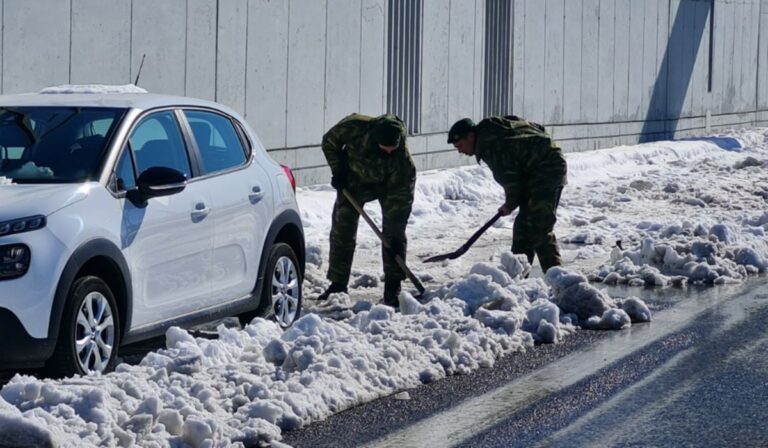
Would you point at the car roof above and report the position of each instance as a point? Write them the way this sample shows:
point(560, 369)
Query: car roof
point(142, 101)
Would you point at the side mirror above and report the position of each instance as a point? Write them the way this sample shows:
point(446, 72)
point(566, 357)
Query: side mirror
point(160, 181)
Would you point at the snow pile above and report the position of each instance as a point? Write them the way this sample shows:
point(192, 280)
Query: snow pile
point(5, 180)
point(92, 88)
point(689, 211)
point(574, 295)
point(250, 385)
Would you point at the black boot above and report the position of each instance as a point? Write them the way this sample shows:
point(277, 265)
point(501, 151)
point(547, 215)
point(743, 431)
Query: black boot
point(334, 288)
point(392, 294)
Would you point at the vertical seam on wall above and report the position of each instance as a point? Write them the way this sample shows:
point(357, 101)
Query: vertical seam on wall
point(130, 44)
point(562, 70)
point(613, 54)
point(474, 60)
point(186, 44)
point(447, 96)
point(759, 33)
point(245, 65)
point(665, 115)
point(581, 65)
point(2, 46)
point(629, 46)
point(287, 73)
point(325, 70)
point(70, 41)
point(598, 71)
point(511, 65)
point(360, 63)
point(216, 58)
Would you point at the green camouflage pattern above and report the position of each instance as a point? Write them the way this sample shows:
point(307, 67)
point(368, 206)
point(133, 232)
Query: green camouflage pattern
point(532, 170)
point(372, 174)
point(521, 156)
point(349, 147)
point(533, 231)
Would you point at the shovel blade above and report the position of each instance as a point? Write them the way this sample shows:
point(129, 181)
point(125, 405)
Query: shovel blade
point(441, 257)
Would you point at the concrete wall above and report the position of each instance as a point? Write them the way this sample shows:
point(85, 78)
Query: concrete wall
point(597, 72)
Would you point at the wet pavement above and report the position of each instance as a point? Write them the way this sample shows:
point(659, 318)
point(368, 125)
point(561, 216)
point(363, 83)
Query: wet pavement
point(695, 376)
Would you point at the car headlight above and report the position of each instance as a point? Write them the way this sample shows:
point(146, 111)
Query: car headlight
point(22, 225)
point(14, 261)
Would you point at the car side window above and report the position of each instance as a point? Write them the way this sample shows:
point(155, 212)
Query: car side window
point(125, 177)
point(157, 141)
point(219, 143)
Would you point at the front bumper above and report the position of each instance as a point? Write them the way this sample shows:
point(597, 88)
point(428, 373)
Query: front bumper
point(17, 348)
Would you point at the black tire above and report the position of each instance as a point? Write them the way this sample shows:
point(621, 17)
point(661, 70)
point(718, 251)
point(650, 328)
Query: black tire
point(273, 298)
point(66, 359)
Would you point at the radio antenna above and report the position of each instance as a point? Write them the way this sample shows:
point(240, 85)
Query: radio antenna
point(136, 83)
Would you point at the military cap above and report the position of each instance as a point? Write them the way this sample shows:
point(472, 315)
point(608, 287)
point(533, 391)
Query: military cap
point(460, 129)
point(387, 131)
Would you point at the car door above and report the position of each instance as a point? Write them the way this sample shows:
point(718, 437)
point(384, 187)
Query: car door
point(169, 238)
point(241, 198)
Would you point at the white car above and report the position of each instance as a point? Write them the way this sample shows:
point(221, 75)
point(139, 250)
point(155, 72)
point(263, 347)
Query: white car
point(123, 213)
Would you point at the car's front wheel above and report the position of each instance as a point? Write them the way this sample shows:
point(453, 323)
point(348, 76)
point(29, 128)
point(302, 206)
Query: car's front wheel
point(281, 293)
point(90, 330)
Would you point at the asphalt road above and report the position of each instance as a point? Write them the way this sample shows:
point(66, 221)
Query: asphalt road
point(695, 376)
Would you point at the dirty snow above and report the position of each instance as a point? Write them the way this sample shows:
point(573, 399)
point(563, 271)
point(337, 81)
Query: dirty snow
point(683, 212)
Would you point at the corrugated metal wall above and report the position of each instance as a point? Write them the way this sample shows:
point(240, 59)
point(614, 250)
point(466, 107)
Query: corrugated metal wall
point(597, 72)
point(404, 61)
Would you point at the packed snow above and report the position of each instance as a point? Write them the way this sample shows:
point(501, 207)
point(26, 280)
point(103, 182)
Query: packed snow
point(93, 88)
point(665, 214)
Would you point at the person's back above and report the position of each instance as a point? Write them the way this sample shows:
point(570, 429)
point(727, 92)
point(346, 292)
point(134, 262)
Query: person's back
point(513, 147)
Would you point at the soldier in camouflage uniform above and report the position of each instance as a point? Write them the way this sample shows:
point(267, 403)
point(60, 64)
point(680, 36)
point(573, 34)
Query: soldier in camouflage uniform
point(369, 158)
point(531, 168)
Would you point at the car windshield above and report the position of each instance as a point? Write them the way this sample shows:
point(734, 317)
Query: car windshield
point(54, 144)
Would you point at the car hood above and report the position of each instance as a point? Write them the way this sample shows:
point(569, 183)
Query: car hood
point(23, 200)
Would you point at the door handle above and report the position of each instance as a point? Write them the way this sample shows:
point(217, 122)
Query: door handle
point(256, 194)
point(200, 212)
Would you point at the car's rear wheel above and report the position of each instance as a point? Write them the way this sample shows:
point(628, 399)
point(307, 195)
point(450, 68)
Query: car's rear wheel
point(90, 330)
point(281, 293)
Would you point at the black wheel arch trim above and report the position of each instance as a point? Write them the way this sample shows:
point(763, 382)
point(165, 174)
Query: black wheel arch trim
point(286, 218)
point(94, 248)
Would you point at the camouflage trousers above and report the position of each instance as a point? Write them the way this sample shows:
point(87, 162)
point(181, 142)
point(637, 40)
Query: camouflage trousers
point(534, 227)
point(395, 209)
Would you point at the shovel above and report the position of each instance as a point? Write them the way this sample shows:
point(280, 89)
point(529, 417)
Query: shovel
point(384, 242)
point(465, 247)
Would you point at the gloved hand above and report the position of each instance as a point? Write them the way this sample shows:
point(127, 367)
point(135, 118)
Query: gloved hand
point(339, 180)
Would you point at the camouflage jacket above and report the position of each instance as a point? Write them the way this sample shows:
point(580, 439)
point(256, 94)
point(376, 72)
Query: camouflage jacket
point(521, 156)
point(347, 146)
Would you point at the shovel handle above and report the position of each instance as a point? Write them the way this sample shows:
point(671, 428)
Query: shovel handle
point(398, 259)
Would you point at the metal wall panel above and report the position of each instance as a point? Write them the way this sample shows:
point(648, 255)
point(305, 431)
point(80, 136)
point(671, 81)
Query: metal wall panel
point(762, 61)
point(342, 66)
point(36, 38)
point(231, 53)
point(650, 64)
point(636, 55)
point(553, 68)
point(461, 77)
point(572, 61)
point(404, 61)
point(267, 71)
point(373, 56)
point(606, 47)
point(201, 49)
point(306, 66)
point(534, 58)
point(479, 57)
point(498, 58)
point(105, 60)
point(621, 59)
point(159, 30)
point(435, 66)
point(590, 66)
